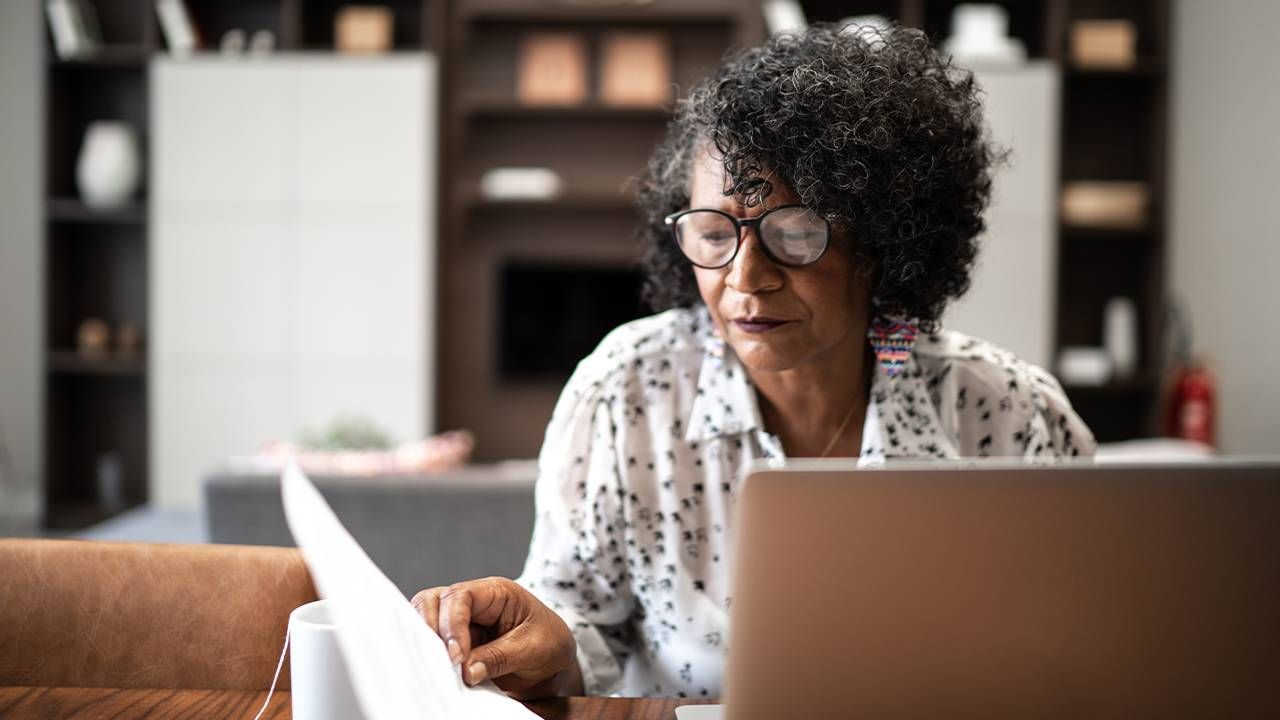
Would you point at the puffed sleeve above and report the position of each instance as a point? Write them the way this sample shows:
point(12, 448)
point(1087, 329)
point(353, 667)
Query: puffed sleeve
point(1012, 409)
point(575, 562)
point(1053, 430)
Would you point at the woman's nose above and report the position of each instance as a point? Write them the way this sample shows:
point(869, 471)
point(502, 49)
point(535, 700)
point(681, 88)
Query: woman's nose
point(751, 270)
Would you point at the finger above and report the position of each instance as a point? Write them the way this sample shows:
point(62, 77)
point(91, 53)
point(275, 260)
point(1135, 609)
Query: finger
point(455, 620)
point(493, 602)
point(517, 653)
point(427, 603)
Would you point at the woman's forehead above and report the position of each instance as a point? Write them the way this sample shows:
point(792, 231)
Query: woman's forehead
point(711, 187)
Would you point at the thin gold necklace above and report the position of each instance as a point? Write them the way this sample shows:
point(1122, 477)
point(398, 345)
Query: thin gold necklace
point(840, 430)
point(866, 382)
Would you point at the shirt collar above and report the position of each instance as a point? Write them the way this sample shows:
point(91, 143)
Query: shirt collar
point(725, 402)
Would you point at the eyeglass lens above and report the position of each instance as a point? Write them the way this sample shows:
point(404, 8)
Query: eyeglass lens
point(793, 235)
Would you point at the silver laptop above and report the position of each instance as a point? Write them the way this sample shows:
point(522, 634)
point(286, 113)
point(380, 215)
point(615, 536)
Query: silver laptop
point(1007, 591)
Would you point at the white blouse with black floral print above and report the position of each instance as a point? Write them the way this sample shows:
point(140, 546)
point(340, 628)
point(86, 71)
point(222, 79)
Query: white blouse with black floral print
point(643, 457)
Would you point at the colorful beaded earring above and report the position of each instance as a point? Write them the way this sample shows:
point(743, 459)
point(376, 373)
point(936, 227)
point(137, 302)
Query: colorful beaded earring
point(892, 339)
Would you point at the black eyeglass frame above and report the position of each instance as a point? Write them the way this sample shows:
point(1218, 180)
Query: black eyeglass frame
point(738, 224)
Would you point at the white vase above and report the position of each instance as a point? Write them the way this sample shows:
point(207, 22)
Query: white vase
point(110, 166)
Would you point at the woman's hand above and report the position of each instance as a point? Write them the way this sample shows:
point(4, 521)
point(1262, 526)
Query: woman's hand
point(496, 629)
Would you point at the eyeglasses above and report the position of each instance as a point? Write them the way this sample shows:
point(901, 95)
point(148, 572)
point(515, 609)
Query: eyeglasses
point(790, 235)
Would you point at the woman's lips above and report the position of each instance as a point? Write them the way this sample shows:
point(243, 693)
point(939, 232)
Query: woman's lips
point(757, 325)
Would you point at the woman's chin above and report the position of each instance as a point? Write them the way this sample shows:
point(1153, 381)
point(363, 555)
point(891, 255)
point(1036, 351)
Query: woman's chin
point(762, 355)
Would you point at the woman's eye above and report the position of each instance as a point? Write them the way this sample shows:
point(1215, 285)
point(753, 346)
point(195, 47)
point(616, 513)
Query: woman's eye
point(716, 238)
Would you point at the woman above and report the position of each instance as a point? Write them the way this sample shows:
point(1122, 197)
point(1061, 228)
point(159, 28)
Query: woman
point(813, 209)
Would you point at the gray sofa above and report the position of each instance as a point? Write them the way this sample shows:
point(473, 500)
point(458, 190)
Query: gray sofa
point(421, 530)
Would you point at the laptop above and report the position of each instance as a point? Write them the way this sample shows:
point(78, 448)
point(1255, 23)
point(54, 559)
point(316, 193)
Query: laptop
point(1006, 591)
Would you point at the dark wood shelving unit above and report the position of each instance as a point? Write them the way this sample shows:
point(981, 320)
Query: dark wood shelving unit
point(580, 237)
point(72, 210)
point(95, 267)
point(96, 260)
point(1113, 128)
point(69, 362)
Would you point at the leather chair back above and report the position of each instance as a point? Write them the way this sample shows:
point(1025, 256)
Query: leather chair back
point(132, 615)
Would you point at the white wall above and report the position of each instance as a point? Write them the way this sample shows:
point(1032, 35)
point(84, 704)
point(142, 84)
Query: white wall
point(291, 259)
point(1224, 214)
point(21, 258)
point(1011, 300)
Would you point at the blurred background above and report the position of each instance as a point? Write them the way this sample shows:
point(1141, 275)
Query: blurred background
point(233, 229)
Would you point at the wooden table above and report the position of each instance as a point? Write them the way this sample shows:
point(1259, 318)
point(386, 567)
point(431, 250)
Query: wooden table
point(19, 703)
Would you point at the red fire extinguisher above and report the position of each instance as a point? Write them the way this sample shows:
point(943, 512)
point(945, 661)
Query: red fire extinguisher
point(1191, 400)
point(1191, 411)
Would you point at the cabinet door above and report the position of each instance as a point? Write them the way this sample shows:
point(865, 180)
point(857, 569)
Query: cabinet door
point(1011, 301)
point(290, 254)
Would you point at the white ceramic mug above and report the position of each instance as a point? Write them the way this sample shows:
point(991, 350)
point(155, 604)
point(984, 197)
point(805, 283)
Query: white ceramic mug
point(321, 686)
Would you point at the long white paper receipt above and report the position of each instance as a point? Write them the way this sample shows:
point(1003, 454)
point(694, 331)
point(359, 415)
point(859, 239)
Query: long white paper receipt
point(399, 667)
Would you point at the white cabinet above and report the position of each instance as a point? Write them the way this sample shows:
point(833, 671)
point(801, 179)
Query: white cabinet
point(1011, 302)
point(292, 254)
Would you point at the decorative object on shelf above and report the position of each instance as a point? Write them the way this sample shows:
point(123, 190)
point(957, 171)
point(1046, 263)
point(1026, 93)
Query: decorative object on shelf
point(233, 42)
point(520, 183)
point(783, 16)
point(109, 478)
point(1084, 366)
point(635, 69)
point(364, 29)
point(128, 340)
point(93, 339)
point(74, 26)
point(1104, 44)
point(552, 69)
point(1120, 335)
point(869, 25)
point(180, 33)
point(1108, 204)
point(979, 34)
point(262, 42)
point(110, 166)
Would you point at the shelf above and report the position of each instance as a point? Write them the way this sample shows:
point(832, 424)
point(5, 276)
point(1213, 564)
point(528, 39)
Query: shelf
point(1105, 232)
point(68, 362)
point(78, 516)
point(1144, 68)
point(72, 210)
point(1118, 389)
point(674, 11)
point(481, 108)
point(108, 56)
point(566, 202)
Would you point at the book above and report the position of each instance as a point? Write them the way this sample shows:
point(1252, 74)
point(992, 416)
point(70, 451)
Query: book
point(175, 22)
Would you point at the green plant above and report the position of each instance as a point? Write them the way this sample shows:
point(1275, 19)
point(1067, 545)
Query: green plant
point(347, 432)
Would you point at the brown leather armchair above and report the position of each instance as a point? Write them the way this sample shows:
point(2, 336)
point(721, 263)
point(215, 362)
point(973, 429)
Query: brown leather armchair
point(99, 614)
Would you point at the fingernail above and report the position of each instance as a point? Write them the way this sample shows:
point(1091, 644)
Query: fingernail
point(478, 672)
point(455, 651)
